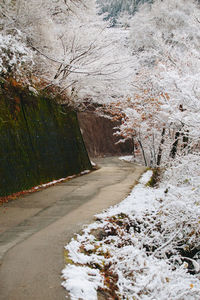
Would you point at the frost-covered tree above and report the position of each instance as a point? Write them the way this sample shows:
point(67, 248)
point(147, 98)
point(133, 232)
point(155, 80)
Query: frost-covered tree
point(113, 9)
point(71, 47)
point(38, 24)
point(162, 107)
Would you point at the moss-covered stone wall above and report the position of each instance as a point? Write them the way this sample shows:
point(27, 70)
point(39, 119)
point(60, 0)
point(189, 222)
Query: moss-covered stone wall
point(39, 140)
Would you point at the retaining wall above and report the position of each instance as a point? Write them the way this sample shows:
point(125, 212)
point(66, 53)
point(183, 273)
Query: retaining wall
point(39, 140)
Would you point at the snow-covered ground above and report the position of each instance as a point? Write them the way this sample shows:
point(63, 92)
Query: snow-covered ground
point(147, 247)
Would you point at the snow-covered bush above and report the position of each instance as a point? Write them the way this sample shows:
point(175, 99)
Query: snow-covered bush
point(16, 58)
point(147, 247)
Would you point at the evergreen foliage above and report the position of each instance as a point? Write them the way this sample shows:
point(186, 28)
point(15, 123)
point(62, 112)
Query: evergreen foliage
point(112, 9)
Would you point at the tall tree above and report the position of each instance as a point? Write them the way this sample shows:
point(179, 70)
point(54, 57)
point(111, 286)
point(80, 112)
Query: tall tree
point(72, 49)
point(162, 106)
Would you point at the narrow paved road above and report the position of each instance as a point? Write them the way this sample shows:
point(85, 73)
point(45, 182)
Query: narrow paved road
point(34, 228)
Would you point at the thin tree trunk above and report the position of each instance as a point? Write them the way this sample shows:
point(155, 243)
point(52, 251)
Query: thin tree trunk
point(140, 143)
point(133, 141)
point(175, 145)
point(160, 149)
point(154, 151)
point(185, 139)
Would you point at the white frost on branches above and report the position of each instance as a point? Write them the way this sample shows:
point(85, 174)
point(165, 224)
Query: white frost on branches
point(163, 100)
point(75, 49)
point(146, 242)
point(15, 56)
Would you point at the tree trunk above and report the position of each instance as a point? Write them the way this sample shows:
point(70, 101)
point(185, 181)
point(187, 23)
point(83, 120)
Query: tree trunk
point(140, 143)
point(133, 146)
point(160, 149)
point(174, 145)
point(185, 139)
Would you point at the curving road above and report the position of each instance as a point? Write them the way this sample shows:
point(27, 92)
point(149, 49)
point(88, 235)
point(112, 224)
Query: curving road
point(34, 228)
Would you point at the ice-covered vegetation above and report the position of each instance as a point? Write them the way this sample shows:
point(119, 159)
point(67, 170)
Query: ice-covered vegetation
point(160, 111)
point(68, 44)
point(147, 247)
point(15, 57)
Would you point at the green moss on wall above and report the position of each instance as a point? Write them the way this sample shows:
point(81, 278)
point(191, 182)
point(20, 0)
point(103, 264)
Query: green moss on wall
point(39, 140)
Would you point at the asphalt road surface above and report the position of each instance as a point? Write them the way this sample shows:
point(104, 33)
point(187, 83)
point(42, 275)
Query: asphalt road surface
point(35, 228)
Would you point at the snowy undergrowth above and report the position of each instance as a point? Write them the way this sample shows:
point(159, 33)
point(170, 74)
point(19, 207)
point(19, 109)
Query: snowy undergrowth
point(15, 56)
point(146, 247)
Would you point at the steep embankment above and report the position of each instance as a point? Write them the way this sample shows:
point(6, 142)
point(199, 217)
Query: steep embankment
point(39, 140)
point(98, 136)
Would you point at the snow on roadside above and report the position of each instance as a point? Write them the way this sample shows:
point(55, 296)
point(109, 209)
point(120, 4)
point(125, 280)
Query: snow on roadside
point(135, 202)
point(132, 159)
point(77, 279)
point(128, 158)
point(139, 249)
point(41, 186)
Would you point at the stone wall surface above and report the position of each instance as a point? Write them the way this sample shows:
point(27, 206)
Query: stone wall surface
point(39, 140)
